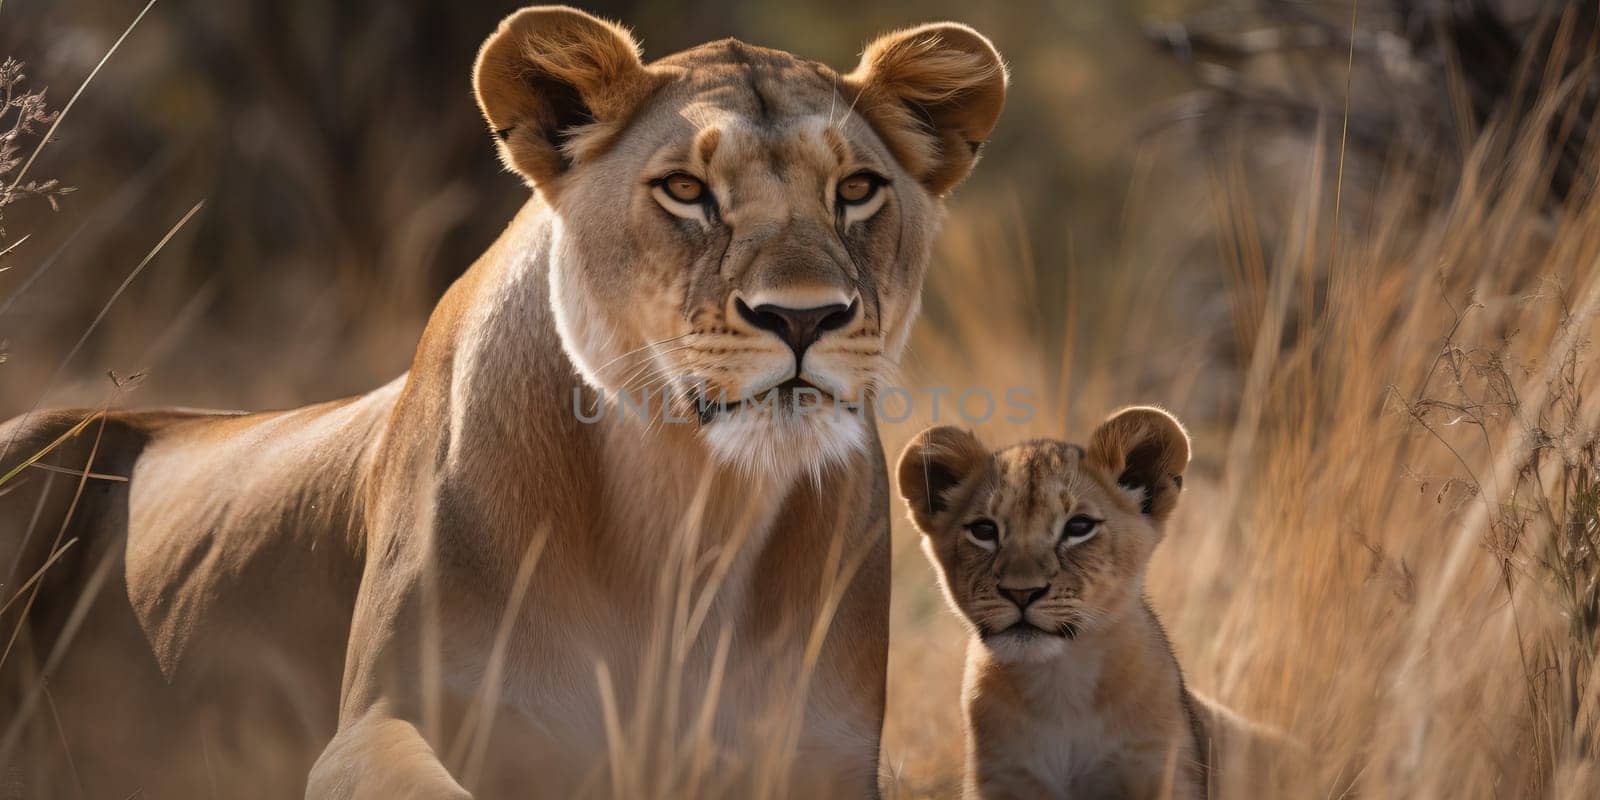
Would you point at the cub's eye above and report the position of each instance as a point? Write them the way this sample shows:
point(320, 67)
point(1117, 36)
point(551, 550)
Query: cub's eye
point(684, 188)
point(859, 188)
point(983, 533)
point(1079, 529)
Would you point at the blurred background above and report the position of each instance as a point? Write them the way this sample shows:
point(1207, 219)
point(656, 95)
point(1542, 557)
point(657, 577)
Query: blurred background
point(1351, 245)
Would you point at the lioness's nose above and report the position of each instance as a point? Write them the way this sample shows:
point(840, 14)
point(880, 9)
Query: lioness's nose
point(1024, 597)
point(798, 327)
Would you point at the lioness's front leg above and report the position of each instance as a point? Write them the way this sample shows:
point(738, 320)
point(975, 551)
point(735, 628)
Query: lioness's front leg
point(379, 756)
point(379, 751)
point(838, 586)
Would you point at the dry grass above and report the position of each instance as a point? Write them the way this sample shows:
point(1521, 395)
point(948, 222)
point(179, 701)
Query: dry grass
point(1389, 546)
point(22, 113)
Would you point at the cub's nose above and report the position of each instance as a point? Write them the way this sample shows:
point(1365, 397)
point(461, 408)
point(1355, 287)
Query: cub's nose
point(798, 327)
point(1024, 597)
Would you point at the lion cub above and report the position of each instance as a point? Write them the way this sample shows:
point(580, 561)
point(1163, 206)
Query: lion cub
point(1072, 689)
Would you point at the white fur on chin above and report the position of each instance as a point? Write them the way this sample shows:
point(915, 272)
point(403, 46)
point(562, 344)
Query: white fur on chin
point(783, 444)
point(1032, 650)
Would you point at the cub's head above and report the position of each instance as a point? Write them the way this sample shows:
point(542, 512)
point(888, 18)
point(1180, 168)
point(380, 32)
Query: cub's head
point(740, 233)
point(1044, 541)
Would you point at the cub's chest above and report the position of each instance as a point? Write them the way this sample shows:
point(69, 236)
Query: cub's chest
point(1054, 740)
point(1081, 758)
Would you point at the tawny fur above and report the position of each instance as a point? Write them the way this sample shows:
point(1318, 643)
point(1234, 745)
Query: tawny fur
point(362, 569)
point(1086, 699)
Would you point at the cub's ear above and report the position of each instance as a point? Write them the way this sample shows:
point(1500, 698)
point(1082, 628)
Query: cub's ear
point(1146, 450)
point(934, 463)
point(933, 93)
point(556, 85)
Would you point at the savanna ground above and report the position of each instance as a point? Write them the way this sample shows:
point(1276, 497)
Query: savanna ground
point(1358, 253)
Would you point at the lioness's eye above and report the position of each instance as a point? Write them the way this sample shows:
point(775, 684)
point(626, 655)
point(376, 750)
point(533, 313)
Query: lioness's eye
point(684, 188)
point(1079, 529)
point(983, 533)
point(859, 188)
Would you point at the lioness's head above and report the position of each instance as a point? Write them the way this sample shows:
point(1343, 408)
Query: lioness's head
point(1045, 541)
point(740, 233)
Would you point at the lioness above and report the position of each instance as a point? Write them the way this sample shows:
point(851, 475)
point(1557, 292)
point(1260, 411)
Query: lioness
point(1072, 688)
point(525, 595)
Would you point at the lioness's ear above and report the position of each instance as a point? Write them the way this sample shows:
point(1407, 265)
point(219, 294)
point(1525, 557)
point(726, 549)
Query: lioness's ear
point(935, 462)
point(1146, 450)
point(933, 93)
point(555, 85)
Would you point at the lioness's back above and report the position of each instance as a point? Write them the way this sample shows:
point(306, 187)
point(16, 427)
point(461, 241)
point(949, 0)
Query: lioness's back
point(194, 617)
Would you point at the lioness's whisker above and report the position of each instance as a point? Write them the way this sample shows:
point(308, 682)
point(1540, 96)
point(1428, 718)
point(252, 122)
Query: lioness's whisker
point(645, 346)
